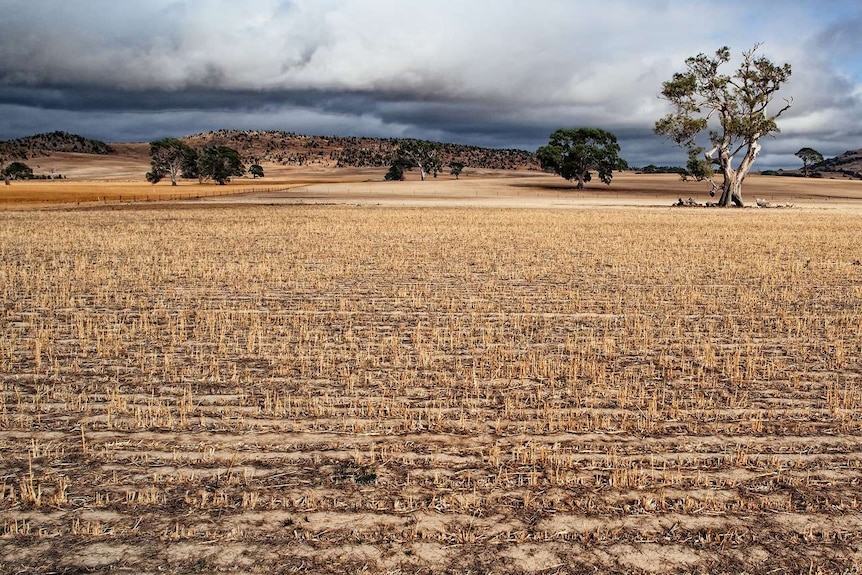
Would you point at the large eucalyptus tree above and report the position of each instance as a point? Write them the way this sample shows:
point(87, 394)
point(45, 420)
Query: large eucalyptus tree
point(733, 108)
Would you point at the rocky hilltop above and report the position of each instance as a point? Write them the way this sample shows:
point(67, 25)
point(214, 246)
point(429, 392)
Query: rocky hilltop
point(288, 148)
point(46, 144)
point(849, 164)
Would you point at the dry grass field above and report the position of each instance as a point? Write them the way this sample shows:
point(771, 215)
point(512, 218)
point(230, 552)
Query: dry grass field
point(341, 389)
point(479, 189)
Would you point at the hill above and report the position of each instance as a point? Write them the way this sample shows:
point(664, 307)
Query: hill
point(288, 148)
point(846, 166)
point(849, 164)
point(49, 143)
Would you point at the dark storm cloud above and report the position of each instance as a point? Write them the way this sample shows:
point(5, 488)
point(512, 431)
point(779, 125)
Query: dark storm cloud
point(499, 73)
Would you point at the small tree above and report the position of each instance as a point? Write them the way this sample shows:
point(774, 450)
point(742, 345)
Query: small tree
point(18, 171)
point(219, 163)
point(456, 168)
point(574, 153)
point(416, 154)
point(808, 156)
point(736, 105)
point(395, 173)
point(697, 166)
point(168, 157)
point(256, 170)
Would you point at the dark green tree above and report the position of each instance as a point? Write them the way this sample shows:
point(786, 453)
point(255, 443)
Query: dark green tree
point(192, 166)
point(256, 170)
point(18, 171)
point(168, 156)
point(456, 168)
point(395, 173)
point(219, 163)
point(808, 156)
point(574, 153)
point(733, 108)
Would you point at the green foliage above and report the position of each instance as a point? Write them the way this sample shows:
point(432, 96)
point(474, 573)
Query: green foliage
point(698, 166)
point(219, 163)
point(415, 154)
point(574, 153)
point(733, 106)
point(256, 170)
point(395, 173)
point(456, 168)
point(653, 169)
point(18, 171)
point(169, 157)
point(808, 156)
point(191, 165)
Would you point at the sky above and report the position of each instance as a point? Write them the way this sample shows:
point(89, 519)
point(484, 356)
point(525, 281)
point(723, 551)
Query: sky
point(498, 73)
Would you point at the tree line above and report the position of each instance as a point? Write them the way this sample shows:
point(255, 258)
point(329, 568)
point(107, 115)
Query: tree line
point(172, 158)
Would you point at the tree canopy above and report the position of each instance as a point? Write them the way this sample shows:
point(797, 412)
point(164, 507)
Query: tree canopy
point(219, 163)
point(574, 153)
point(808, 156)
point(256, 170)
point(169, 157)
point(18, 171)
point(734, 109)
point(455, 168)
point(415, 154)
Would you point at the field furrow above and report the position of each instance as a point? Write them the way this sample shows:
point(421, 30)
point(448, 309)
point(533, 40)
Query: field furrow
point(333, 389)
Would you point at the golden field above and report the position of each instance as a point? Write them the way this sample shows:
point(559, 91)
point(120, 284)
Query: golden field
point(109, 180)
point(361, 389)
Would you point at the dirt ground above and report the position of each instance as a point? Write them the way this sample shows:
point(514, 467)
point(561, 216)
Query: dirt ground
point(357, 376)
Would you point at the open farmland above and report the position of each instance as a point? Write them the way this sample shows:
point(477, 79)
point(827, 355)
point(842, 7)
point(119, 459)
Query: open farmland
point(430, 390)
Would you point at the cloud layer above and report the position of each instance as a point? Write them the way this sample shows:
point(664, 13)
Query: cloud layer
point(489, 72)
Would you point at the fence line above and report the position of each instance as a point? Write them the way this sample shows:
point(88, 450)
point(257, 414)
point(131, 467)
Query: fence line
point(192, 195)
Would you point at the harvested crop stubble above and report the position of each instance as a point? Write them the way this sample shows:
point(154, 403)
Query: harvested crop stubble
point(430, 390)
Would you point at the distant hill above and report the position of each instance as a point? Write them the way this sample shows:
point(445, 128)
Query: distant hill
point(847, 165)
point(285, 148)
point(288, 148)
point(46, 144)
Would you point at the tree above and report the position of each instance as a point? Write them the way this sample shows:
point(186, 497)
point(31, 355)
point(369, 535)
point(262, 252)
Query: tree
point(808, 156)
point(697, 166)
point(456, 168)
point(169, 156)
point(416, 154)
point(192, 166)
point(256, 170)
point(395, 173)
point(18, 171)
point(733, 108)
point(574, 153)
point(219, 163)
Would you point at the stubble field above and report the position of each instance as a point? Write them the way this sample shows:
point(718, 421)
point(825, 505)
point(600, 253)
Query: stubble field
point(283, 389)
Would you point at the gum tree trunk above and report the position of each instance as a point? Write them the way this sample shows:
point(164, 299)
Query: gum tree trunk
point(731, 188)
